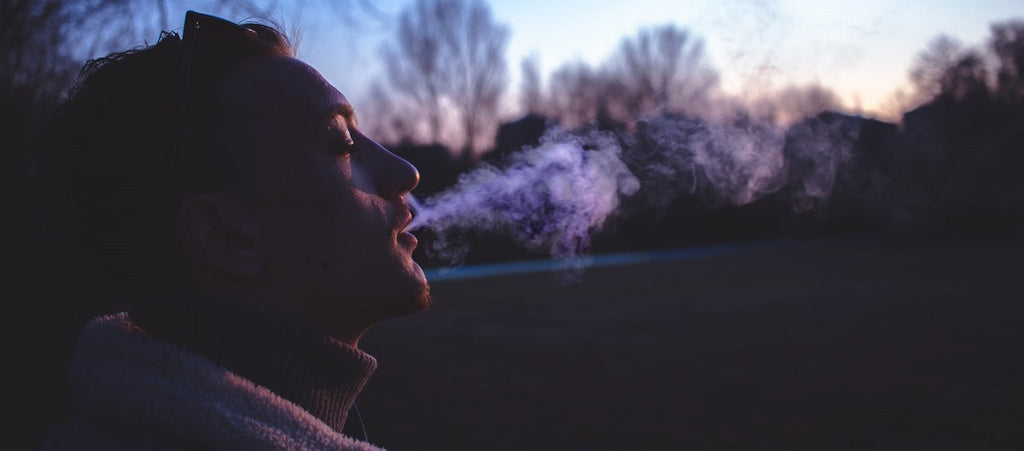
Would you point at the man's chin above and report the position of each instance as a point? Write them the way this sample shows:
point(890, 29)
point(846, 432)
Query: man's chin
point(406, 292)
point(424, 285)
point(415, 298)
point(421, 299)
point(424, 301)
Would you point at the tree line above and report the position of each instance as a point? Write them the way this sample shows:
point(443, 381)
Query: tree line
point(446, 76)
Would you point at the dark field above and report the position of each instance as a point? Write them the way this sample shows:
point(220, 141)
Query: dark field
point(817, 345)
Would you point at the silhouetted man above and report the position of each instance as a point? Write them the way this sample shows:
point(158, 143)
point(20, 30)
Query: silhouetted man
point(254, 233)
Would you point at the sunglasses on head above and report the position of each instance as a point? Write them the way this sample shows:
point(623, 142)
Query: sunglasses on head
point(211, 32)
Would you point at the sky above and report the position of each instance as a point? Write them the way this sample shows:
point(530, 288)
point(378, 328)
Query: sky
point(862, 50)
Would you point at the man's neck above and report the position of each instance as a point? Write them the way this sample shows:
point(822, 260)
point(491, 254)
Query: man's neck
point(298, 362)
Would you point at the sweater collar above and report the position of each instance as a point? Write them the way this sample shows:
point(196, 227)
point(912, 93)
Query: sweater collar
point(322, 375)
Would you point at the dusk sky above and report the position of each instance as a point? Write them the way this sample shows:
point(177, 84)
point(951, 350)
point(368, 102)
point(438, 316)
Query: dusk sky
point(861, 49)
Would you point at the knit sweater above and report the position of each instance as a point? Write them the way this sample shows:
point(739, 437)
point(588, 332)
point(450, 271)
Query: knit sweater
point(194, 375)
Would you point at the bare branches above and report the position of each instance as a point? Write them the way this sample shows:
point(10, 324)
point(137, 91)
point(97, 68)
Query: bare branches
point(575, 93)
point(945, 68)
point(658, 70)
point(933, 63)
point(1007, 44)
point(449, 58)
point(663, 68)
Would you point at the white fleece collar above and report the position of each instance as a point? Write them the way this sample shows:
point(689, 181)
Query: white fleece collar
point(120, 372)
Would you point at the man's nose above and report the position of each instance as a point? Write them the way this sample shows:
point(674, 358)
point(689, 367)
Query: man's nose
point(392, 175)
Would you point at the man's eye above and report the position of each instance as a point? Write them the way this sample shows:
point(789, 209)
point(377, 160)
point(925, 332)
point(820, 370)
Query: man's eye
point(345, 145)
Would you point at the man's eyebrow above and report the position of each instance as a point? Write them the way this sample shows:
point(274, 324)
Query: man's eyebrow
point(344, 110)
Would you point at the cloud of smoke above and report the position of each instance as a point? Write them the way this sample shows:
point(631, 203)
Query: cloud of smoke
point(815, 152)
point(551, 198)
point(720, 163)
point(547, 198)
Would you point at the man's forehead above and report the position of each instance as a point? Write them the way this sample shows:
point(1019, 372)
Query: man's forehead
point(285, 82)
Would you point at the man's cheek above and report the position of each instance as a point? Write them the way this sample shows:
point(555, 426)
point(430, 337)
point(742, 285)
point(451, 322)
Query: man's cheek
point(360, 178)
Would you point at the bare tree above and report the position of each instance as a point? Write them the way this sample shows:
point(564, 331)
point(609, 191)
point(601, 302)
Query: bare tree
point(414, 62)
point(575, 93)
point(1007, 44)
point(34, 63)
point(450, 54)
point(967, 77)
point(932, 66)
point(663, 68)
point(481, 73)
point(386, 123)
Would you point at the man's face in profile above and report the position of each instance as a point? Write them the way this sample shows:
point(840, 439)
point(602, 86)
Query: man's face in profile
point(325, 201)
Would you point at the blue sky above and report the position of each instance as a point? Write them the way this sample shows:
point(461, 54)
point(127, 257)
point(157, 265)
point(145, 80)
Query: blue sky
point(860, 49)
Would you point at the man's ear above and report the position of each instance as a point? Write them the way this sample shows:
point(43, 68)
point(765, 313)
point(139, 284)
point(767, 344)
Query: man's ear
point(218, 237)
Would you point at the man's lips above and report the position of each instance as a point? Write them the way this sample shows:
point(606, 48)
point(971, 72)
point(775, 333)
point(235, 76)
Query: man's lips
point(401, 222)
point(407, 240)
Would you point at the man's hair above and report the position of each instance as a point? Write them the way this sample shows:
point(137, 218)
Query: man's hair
point(119, 165)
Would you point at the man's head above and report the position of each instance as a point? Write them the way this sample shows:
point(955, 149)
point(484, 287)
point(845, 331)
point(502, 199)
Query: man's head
point(223, 165)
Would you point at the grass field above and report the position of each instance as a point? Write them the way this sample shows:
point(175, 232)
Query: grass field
point(815, 345)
